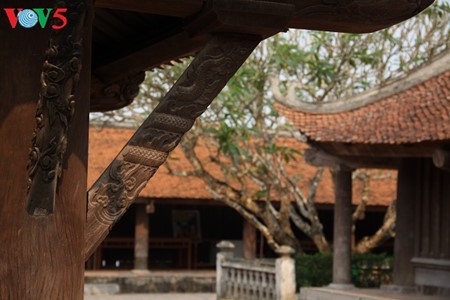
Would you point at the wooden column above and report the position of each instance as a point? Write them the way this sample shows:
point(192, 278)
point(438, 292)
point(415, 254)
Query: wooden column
point(404, 238)
point(41, 255)
point(342, 236)
point(141, 238)
point(249, 240)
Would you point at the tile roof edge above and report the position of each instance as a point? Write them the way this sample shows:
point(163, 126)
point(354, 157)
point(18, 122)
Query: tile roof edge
point(439, 65)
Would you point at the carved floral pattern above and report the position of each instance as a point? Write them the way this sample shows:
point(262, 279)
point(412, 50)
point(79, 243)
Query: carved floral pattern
point(55, 108)
point(117, 94)
point(126, 180)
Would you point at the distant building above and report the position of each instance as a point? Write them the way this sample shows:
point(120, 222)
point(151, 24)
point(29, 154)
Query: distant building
point(402, 126)
point(185, 223)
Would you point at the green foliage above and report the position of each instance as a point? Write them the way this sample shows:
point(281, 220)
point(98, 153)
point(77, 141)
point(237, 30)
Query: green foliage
point(314, 270)
point(371, 270)
point(242, 125)
point(368, 270)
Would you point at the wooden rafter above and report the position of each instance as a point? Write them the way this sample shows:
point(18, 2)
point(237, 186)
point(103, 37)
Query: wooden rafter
point(120, 184)
point(176, 8)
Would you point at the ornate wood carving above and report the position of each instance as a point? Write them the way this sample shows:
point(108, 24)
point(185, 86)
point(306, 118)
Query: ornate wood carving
point(160, 133)
point(201, 19)
point(59, 79)
point(115, 95)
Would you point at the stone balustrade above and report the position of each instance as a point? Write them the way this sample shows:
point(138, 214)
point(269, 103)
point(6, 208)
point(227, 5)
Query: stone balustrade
point(258, 279)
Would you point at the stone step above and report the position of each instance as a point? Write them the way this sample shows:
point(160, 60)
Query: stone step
point(101, 288)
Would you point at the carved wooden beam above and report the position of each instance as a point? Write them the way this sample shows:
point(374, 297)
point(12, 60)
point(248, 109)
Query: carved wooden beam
point(59, 80)
point(172, 47)
point(120, 184)
point(115, 95)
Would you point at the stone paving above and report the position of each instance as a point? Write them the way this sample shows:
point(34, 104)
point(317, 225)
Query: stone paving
point(168, 296)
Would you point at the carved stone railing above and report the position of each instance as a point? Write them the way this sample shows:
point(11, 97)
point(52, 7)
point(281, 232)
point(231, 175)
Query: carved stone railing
point(258, 279)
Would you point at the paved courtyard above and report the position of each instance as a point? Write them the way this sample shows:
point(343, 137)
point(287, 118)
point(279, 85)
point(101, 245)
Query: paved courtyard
point(152, 297)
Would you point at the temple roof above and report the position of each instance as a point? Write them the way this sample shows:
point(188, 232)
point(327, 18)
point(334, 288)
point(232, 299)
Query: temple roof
point(414, 109)
point(105, 143)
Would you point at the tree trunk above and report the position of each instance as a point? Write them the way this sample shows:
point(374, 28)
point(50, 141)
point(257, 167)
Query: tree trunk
point(385, 232)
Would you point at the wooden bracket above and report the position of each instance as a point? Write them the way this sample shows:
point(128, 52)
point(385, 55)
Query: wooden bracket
point(127, 175)
point(115, 95)
point(441, 159)
point(59, 80)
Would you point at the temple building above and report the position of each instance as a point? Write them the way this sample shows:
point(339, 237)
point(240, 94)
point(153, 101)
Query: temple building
point(402, 126)
point(181, 223)
point(91, 56)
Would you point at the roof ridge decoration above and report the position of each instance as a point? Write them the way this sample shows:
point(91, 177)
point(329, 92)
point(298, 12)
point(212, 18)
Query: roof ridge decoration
point(439, 65)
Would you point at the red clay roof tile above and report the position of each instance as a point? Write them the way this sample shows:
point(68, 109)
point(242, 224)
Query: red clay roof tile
point(104, 144)
point(419, 114)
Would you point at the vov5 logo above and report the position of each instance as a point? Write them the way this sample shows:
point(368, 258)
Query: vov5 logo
point(28, 18)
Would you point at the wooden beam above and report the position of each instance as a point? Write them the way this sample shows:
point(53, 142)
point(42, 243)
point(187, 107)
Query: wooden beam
point(353, 16)
point(175, 8)
point(320, 158)
point(59, 81)
point(237, 17)
point(344, 16)
point(178, 45)
point(421, 149)
point(127, 175)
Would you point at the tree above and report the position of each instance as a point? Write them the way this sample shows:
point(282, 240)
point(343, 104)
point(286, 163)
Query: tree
point(249, 142)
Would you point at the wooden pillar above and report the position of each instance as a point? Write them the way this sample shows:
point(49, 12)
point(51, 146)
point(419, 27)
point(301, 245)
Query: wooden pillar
point(342, 236)
point(249, 240)
point(404, 239)
point(41, 255)
point(141, 238)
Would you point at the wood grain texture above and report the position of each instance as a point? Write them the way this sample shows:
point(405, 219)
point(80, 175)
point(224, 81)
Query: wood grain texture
point(41, 257)
point(134, 35)
point(120, 184)
point(178, 8)
point(59, 80)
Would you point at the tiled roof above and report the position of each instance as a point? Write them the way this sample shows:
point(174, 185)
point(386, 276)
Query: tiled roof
point(105, 143)
point(419, 113)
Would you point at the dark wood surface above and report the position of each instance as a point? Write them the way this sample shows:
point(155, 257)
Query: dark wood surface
point(130, 36)
point(41, 256)
point(120, 184)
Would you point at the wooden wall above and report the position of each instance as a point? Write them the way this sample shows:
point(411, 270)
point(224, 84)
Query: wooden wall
point(422, 244)
point(432, 225)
